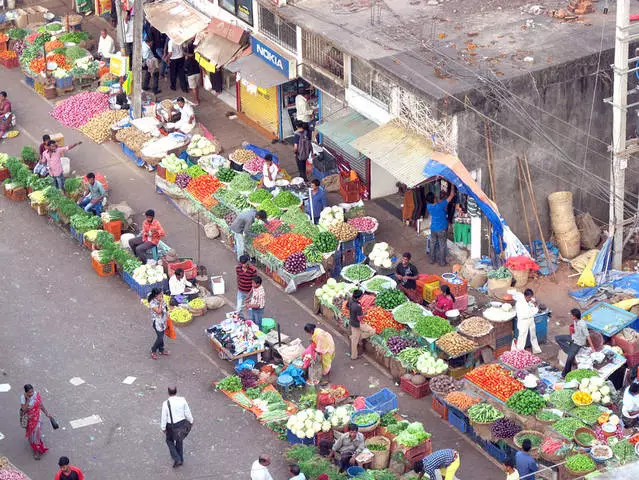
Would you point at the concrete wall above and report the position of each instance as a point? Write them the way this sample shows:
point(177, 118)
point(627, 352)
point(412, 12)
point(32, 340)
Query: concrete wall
point(565, 92)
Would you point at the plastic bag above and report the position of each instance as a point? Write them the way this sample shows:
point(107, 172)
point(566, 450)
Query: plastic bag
point(170, 330)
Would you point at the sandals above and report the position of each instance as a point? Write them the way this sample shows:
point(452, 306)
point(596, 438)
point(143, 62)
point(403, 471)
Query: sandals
point(165, 352)
point(154, 356)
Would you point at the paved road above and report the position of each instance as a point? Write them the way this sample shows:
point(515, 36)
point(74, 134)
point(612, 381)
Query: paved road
point(62, 321)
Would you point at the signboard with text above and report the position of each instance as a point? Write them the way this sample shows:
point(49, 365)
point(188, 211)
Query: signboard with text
point(270, 56)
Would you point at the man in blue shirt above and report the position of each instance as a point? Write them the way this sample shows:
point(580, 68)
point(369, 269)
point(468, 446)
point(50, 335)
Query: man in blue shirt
point(318, 199)
point(438, 226)
point(526, 465)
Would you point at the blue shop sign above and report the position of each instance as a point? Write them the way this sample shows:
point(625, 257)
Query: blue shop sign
point(274, 59)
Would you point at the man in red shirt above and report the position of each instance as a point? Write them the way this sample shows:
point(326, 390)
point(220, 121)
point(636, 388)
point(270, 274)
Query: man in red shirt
point(245, 273)
point(68, 472)
point(52, 156)
point(152, 232)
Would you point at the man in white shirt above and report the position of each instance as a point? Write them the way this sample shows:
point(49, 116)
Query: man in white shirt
point(175, 57)
point(178, 287)
point(269, 172)
point(106, 46)
point(303, 110)
point(259, 470)
point(526, 311)
point(175, 414)
point(151, 67)
point(186, 124)
point(630, 406)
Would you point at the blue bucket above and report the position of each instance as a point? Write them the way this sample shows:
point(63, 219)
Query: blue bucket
point(353, 472)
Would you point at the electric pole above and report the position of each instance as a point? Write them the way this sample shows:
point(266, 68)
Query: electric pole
point(623, 38)
point(136, 66)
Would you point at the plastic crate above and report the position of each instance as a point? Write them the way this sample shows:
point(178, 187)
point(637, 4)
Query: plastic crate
point(541, 327)
point(458, 420)
point(347, 185)
point(429, 291)
point(294, 439)
point(457, 289)
point(4, 174)
point(382, 402)
point(495, 451)
point(160, 171)
point(323, 436)
point(440, 407)
point(64, 82)
point(77, 236)
point(103, 269)
point(461, 303)
point(363, 238)
point(321, 175)
point(114, 228)
point(10, 62)
point(422, 450)
point(29, 81)
point(415, 391)
point(186, 264)
point(131, 154)
point(143, 291)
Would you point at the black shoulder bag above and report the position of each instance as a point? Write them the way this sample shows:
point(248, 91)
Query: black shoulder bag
point(177, 431)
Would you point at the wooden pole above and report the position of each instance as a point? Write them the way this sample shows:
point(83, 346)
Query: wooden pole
point(136, 66)
point(523, 203)
point(531, 194)
point(489, 159)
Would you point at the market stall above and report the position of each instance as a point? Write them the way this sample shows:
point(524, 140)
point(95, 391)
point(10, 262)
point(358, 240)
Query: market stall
point(236, 339)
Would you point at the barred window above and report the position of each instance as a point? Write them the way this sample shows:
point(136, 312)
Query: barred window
point(373, 83)
point(280, 31)
point(321, 53)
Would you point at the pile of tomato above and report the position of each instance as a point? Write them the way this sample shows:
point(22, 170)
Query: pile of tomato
point(262, 241)
point(496, 380)
point(59, 59)
point(379, 319)
point(52, 45)
point(203, 187)
point(8, 54)
point(288, 243)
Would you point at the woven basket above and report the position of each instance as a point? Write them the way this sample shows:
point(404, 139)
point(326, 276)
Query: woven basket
point(380, 460)
point(534, 452)
point(578, 474)
point(562, 217)
point(498, 283)
point(520, 276)
point(197, 312)
point(569, 243)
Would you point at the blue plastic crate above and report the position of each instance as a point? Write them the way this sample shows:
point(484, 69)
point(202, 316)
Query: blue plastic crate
point(382, 402)
point(322, 175)
point(495, 451)
point(503, 341)
point(293, 439)
point(541, 327)
point(349, 245)
point(143, 291)
point(458, 420)
point(65, 82)
point(131, 154)
point(363, 238)
point(261, 152)
point(77, 236)
point(251, 358)
point(607, 319)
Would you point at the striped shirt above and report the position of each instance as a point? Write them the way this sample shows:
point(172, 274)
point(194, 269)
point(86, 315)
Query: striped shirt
point(245, 278)
point(437, 460)
point(257, 297)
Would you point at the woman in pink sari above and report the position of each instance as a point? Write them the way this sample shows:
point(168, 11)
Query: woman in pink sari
point(31, 405)
point(444, 302)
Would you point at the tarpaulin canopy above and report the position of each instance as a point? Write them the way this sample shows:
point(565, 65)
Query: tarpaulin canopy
point(256, 71)
point(176, 19)
point(219, 44)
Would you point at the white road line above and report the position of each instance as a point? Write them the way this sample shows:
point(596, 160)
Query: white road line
point(85, 422)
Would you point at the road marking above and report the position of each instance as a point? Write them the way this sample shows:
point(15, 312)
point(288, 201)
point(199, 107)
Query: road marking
point(129, 380)
point(85, 422)
point(76, 381)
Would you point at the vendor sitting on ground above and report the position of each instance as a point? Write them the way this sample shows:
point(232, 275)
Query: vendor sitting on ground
point(152, 233)
point(571, 344)
point(269, 172)
point(180, 289)
point(106, 46)
point(186, 123)
point(347, 448)
point(444, 302)
point(406, 274)
point(7, 119)
point(630, 406)
point(91, 202)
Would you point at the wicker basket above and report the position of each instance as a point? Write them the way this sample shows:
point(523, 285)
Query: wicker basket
point(535, 451)
point(197, 312)
point(584, 430)
point(381, 458)
point(520, 276)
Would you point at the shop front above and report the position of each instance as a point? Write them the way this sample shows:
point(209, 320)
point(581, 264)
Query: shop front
point(267, 85)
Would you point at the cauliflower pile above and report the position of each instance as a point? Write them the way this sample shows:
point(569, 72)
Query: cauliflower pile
point(307, 423)
point(380, 255)
point(340, 416)
point(597, 388)
point(149, 274)
point(331, 216)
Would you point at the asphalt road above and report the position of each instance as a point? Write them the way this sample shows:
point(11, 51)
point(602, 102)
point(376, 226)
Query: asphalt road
point(60, 320)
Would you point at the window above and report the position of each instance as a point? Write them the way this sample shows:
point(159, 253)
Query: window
point(242, 9)
point(281, 32)
point(370, 82)
point(324, 55)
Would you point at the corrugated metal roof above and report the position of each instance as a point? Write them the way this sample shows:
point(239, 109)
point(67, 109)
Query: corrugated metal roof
point(400, 152)
point(342, 130)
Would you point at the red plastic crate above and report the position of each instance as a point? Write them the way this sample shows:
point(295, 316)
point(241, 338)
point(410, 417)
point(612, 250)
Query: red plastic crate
point(457, 289)
point(114, 228)
point(9, 62)
point(323, 436)
point(415, 391)
point(440, 407)
point(628, 347)
point(4, 174)
point(349, 196)
point(160, 171)
point(186, 264)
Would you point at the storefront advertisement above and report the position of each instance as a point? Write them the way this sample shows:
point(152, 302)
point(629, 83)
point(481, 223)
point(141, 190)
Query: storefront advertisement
point(242, 9)
point(270, 56)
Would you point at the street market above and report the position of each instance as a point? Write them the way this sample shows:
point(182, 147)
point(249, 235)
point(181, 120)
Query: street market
point(456, 340)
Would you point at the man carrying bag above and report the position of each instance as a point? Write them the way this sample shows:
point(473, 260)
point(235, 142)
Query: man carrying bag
point(176, 424)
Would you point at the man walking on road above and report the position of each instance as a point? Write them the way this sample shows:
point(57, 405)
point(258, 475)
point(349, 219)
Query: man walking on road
point(176, 423)
point(355, 317)
point(68, 472)
point(245, 273)
point(526, 310)
point(259, 469)
point(438, 226)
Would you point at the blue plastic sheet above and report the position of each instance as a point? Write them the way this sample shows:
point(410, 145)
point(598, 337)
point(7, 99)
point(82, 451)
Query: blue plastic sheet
point(261, 152)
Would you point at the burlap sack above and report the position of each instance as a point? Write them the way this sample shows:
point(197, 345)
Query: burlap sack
point(126, 210)
point(331, 183)
point(590, 232)
point(211, 231)
point(213, 303)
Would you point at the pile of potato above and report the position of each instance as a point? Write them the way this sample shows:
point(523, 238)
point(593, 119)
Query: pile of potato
point(242, 156)
point(454, 344)
point(475, 327)
point(98, 128)
point(343, 231)
point(132, 138)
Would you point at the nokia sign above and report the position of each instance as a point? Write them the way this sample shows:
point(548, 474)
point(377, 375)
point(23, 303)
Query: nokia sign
point(274, 59)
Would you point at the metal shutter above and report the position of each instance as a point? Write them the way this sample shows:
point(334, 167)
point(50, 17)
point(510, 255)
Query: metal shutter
point(262, 107)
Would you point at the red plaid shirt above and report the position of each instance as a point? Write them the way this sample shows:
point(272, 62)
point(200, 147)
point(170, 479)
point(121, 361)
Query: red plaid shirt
point(257, 297)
